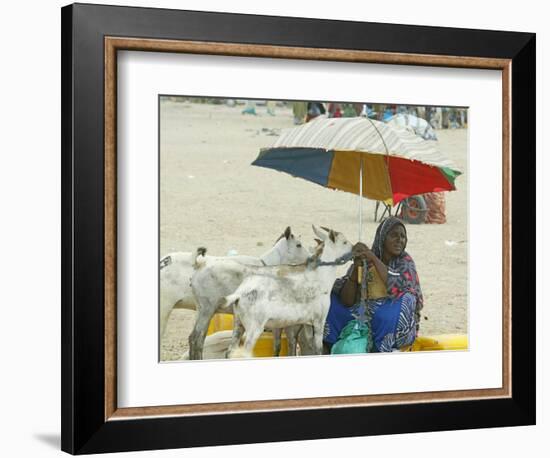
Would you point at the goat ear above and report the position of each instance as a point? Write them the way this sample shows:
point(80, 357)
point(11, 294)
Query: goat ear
point(325, 228)
point(318, 233)
point(318, 241)
point(287, 233)
point(332, 236)
point(318, 250)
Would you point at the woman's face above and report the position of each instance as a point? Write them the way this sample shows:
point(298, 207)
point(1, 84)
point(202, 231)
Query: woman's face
point(395, 242)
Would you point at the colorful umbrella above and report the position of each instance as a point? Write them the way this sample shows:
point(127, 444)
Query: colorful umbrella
point(361, 156)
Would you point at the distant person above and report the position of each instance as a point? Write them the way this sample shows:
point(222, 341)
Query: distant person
point(270, 107)
point(388, 114)
point(453, 119)
point(445, 118)
point(378, 111)
point(334, 110)
point(368, 112)
point(435, 118)
point(462, 117)
point(358, 108)
point(350, 111)
point(250, 108)
point(314, 109)
point(299, 110)
point(421, 112)
point(435, 201)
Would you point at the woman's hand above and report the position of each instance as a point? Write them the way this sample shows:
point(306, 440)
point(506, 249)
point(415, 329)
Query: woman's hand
point(361, 252)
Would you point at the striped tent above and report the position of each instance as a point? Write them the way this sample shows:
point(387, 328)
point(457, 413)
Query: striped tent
point(361, 156)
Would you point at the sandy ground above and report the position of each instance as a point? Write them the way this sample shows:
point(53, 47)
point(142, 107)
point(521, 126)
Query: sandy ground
point(211, 196)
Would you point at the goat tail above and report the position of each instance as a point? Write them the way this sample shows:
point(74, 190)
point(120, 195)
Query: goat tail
point(199, 258)
point(228, 303)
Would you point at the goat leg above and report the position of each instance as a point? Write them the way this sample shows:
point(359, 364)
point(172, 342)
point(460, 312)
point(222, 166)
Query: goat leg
point(318, 337)
point(277, 341)
point(238, 331)
point(197, 336)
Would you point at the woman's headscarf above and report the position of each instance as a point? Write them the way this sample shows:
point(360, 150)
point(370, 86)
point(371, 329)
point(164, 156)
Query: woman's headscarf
point(382, 232)
point(402, 275)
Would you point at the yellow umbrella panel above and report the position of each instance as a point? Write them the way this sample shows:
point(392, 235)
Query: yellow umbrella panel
point(344, 174)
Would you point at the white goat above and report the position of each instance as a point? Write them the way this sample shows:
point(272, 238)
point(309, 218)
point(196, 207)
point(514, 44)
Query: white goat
point(176, 270)
point(214, 280)
point(280, 297)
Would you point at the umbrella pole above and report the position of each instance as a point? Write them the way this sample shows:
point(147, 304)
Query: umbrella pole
point(360, 268)
point(360, 198)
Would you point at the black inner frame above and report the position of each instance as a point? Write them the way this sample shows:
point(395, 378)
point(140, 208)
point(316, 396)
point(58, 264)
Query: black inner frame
point(84, 429)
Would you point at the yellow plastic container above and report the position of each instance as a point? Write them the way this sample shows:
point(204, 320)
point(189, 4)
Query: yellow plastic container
point(220, 322)
point(439, 342)
point(264, 344)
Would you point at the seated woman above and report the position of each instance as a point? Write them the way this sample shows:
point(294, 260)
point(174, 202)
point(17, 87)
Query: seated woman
point(394, 312)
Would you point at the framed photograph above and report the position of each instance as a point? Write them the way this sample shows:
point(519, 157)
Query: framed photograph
point(271, 221)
